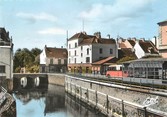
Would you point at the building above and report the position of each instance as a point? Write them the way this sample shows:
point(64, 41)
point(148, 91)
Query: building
point(53, 60)
point(84, 50)
point(145, 48)
point(140, 47)
point(126, 43)
point(6, 55)
point(162, 37)
point(147, 68)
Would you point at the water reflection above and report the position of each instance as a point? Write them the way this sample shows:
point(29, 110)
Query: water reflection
point(49, 102)
point(78, 109)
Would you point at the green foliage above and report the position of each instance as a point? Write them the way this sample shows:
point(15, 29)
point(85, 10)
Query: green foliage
point(33, 69)
point(124, 59)
point(28, 59)
point(152, 56)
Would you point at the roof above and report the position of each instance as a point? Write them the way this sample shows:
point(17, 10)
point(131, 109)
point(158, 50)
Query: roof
point(95, 40)
point(132, 42)
point(148, 60)
point(148, 47)
point(123, 52)
point(152, 59)
point(56, 52)
point(2, 29)
point(105, 60)
point(159, 23)
point(122, 45)
point(91, 39)
point(80, 35)
point(4, 35)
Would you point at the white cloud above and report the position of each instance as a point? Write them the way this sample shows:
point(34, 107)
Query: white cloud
point(35, 17)
point(52, 31)
point(120, 9)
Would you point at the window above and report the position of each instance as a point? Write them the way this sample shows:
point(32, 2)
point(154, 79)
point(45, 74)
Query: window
point(87, 51)
point(2, 69)
point(100, 50)
point(81, 54)
point(111, 51)
point(69, 53)
point(69, 60)
point(75, 52)
point(75, 60)
point(59, 61)
point(69, 45)
point(81, 47)
point(51, 61)
point(75, 45)
point(65, 61)
point(87, 59)
point(100, 58)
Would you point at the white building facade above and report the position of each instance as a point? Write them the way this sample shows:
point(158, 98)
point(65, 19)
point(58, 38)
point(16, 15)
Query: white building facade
point(6, 55)
point(53, 60)
point(145, 48)
point(85, 49)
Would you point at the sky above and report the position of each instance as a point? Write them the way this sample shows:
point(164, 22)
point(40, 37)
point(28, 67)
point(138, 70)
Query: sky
point(36, 23)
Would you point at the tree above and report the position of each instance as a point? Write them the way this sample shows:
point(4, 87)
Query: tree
point(26, 58)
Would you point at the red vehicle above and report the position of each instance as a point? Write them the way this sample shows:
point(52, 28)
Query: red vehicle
point(115, 71)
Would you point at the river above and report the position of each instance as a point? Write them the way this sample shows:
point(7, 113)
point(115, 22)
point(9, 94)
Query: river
point(49, 101)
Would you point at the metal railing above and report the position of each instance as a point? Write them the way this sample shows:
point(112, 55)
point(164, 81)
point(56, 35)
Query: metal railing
point(152, 83)
point(2, 95)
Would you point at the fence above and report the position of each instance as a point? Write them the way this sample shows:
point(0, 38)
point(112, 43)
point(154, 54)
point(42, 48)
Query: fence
point(109, 105)
point(3, 92)
point(153, 83)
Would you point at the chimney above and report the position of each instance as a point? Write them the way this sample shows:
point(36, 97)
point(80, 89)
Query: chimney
point(7, 34)
point(84, 33)
point(97, 34)
point(155, 41)
point(108, 36)
point(61, 46)
point(134, 39)
point(142, 39)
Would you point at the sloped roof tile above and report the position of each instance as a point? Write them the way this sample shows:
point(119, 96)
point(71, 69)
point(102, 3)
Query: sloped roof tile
point(80, 35)
point(132, 42)
point(95, 40)
point(56, 52)
point(148, 47)
point(123, 52)
point(105, 60)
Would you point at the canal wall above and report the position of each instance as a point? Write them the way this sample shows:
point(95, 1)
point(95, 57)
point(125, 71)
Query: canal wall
point(56, 79)
point(116, 100)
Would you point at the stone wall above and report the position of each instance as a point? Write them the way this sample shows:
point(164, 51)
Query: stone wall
point(57, 79)
point(124, 93)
